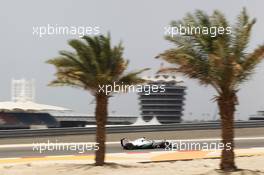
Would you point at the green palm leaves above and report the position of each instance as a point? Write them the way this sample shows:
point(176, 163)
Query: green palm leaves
point(93, 63)
point(221, 61)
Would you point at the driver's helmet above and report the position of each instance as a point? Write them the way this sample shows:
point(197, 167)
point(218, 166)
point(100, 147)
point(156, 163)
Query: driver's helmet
point(124, 141)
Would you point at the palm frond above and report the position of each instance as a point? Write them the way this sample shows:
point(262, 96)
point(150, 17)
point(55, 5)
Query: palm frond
point(95, 62)
point(220, 61)
point(249, 63)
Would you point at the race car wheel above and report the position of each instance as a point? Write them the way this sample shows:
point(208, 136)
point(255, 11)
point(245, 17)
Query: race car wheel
point(129, 146)
point(167, 145)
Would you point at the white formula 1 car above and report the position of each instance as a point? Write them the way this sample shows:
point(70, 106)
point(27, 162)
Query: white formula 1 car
point(143, 143)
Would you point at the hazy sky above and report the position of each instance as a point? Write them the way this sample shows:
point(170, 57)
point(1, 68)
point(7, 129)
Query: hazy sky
point(139, 24)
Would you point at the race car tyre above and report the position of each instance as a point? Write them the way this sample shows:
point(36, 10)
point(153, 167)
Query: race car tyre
point(166, 145)
point(129, 146)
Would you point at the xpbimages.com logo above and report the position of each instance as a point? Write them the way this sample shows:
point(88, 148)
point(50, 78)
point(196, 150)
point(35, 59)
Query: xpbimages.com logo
point(123, 88)
point(50, 29)
point(196, 30)
point(195, 146)
point(57, 146)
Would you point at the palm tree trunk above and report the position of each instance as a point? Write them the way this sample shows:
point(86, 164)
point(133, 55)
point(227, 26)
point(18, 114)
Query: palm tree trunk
point(227, 109)
point(101, 119)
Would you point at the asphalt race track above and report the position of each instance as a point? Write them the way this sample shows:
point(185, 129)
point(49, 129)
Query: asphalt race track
point(245, 138)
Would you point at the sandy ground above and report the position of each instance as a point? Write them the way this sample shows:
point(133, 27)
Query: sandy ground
point(249, 165)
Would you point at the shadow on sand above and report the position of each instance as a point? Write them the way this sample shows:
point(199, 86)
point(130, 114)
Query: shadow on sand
point(91, 166)
point(238, 172)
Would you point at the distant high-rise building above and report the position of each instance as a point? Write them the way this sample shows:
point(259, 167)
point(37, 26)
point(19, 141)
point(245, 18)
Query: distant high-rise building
point(166, 105)
point(22, 90)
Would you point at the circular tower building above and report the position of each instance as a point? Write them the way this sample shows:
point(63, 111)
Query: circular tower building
point(166, 105)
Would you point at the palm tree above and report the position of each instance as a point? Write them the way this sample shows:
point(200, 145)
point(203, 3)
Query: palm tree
point(94, 65)
point(221, 62)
